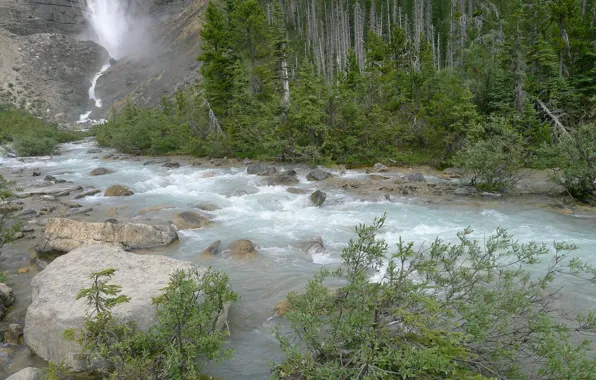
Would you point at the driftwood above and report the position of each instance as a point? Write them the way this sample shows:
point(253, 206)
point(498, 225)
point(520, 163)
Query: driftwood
point(558, 126)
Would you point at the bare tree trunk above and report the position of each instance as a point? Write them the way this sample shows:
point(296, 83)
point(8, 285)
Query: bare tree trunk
point(359, 34)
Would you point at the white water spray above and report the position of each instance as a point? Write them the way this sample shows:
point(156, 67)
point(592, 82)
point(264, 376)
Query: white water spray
point(110, 23)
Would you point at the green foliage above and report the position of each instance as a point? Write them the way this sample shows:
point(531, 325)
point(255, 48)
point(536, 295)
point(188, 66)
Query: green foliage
point(8, 227)
point(427, 316)
point(188, 330)
point(576, 156)
point(2, 276)
point(56, 372)
point(32, 136)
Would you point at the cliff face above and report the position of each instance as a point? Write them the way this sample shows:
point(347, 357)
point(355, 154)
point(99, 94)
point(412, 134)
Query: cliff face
point(24, 17)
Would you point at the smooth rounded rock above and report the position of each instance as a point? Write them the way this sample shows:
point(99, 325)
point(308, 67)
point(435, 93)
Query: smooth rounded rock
point(117, 191)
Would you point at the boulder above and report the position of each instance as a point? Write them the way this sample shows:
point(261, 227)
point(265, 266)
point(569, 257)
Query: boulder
point(94, 151)
point(318, 175)
point(87, 193)
point(152, 209)
point(100, 171)
point(376, 177)
point(29, 373)
point(117, 191)
point(415, 177)
point(156, 161)
point(212, 250)
point(6, 298)
point(380, 168)
point(462, 191)
point(189, 220)
point(49, 178)
point(318, 198)
point(243, 249)
point(206, 206)
point(171, 165)
point(36, 172)
point(313, 247)
point(58, 191)
point(14, 334)
point(287, 178)
point(64, 235)
point(261, 169)
point(54, 309)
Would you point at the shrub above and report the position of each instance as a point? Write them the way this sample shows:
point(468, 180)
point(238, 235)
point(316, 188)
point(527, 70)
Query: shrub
point(8, 228)
point(29, 145)
point(187, 332)
point(457, 311)
point(493, 164)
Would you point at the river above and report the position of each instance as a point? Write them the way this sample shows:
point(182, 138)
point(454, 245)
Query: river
point(277, 221)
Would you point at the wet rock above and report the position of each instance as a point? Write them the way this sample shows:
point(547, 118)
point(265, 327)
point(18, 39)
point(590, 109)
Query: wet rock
point(462, 191)
point(212, 250)
point(318, 175)
point(23, 270)
point(64, 235)
point(156, 161)
point(107, 156)
point(206, 206)
point(80, 211)
point(489, 195)
point(295, 190)
point(376, 177)
point(118, 191)
point(87, 193)
point(318, 198)
point(18, 235)
point(313, 247)
point(100, 171)
point(29, 373)
point(36, 172)
point(58, 191)
point(94, 151)
point(28, 212)
point(153, 209)
point(243, 249)
point(60, 181)
point(47, 210)
point(111, 220)
point(48, 198)
point(189, 220)
point(261, 169)
point(49, 178)
point(246, 162)
point(54, 307)
point(380, 168)
point(6, 298)
point(171, 165)
point(282, 307)
point(287, 178)
point(13, 334)
point(415, 177)
point(39, 264)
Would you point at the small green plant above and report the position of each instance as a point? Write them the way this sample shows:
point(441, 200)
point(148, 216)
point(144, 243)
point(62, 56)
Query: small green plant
point(56, 372)
point(2, 276)
point(8, 227)
point(188, 332)
point(447, 311)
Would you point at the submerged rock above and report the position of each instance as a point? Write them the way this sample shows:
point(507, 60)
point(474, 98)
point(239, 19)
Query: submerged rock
point(380, 168)
point(171, 165)
point(313, 247)
point(36, 172)
point(54, 309)
point(29, 373)
point(118, 191)
point(212, 250)
point(49, 178)
point(206, 206)
point(152, 209)
point(87, 193)
point(94, 151)
point(64, 235)
point(287, 178)
point(14, 334)
point(318, 175)
point(295, 190)
point(189, 220)
point(318, 198)
point(100, 171)
point(243, 249)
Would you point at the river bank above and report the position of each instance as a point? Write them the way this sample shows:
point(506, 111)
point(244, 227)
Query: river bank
point(276, 219)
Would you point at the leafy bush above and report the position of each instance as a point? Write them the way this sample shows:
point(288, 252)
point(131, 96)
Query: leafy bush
point(493, 164)
point(459, 311)
point(8, 228)
point(576, 156)
point(188, 329)
point(29, 145)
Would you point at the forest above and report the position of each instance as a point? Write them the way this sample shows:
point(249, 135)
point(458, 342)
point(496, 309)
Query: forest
point(395, 81)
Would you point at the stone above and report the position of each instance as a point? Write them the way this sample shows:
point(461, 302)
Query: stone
point(111, 220)
point(7, 206)
point(49, 178)
point(313, 246)
point(212, 250)
point(156, 161)
point(57, 191)
point(88, 193)
point(318, 175)
point(451, 173)
point(246, 162)
point(54, 307)
point(462, 191)
point(206, 206)
point(117, 191)
point(380, 168)
point(39, 264)
point(415, 177)
point(189, 220)
point(318, 198)
point(100, 171)
point(29, 373)
point(6, 298)
point(243, 249)
point(28, 212)
point(14, 334)
point(171, 165)
point(64, 235)
point(152, 209)
point(94, 151)
point(80, 211)
point(376, 177)
point(491, 195)
point(287, 178)
point(36, 172)
point(47, 210)
point(23, 270)
point(261, 169)
point(295, 190)
point(48, 198)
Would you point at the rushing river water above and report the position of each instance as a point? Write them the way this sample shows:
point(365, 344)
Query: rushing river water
point(278, 221)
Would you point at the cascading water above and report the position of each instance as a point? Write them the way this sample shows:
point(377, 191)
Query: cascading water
point(110, 24)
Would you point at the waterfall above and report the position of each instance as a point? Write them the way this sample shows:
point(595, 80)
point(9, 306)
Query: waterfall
point(110, 23)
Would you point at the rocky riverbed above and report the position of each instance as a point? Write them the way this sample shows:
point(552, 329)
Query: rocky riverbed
point(263, 228)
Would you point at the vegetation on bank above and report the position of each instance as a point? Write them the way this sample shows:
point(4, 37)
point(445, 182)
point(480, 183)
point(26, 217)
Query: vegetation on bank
point(31, 136)
point(8, 227)
point(464, 310)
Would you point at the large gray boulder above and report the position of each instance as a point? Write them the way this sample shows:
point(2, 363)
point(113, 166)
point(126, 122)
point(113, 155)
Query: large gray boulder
point(64, 235)
point(261, 169)
point(318, 175)
point(54, 309)
point(29, 373)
